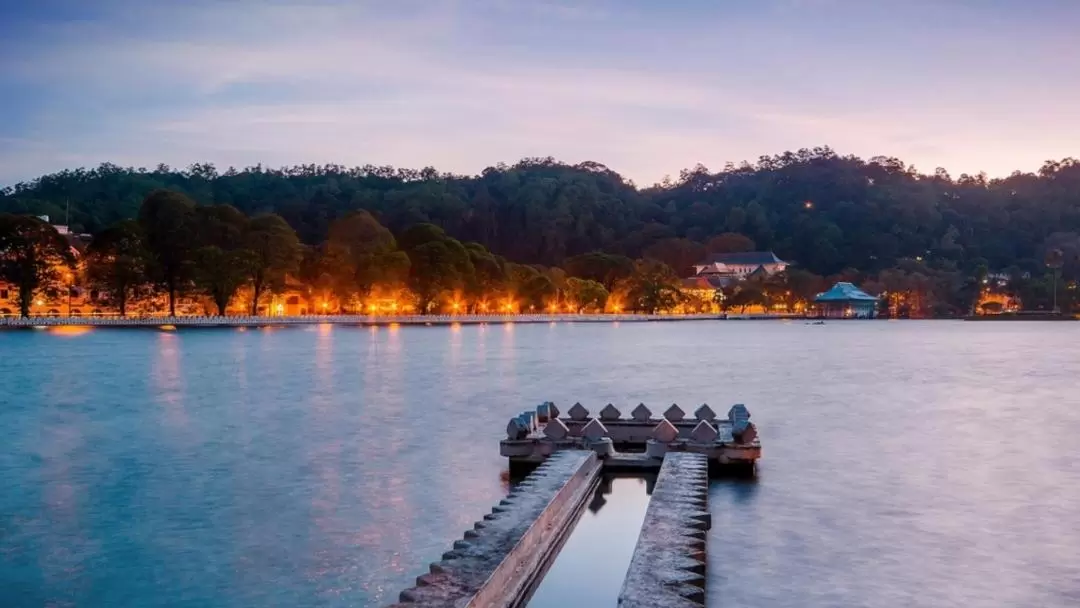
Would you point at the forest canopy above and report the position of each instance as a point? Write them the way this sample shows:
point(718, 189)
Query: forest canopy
point(823, 211)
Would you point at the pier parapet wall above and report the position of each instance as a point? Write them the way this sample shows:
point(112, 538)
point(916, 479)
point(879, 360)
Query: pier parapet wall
point(640, 441)
point(501, 558)
point(668, 566)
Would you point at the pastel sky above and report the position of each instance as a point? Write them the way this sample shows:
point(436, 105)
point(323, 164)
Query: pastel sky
point(647, 87)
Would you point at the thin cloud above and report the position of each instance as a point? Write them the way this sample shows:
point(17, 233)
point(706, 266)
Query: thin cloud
point(463, 85)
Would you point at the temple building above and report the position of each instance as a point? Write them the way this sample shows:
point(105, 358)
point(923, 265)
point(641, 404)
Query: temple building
point(845, 301)
point(741, 265)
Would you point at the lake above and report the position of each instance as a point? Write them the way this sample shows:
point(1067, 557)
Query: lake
point(915, 464)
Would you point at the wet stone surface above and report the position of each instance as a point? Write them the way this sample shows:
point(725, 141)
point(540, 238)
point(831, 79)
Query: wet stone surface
point(472, 563)
point(668, 567)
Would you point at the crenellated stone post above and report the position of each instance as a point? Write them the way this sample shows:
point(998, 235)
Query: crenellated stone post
point(634, 443)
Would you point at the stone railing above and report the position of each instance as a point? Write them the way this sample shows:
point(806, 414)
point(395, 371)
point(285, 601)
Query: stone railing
point(534, 435)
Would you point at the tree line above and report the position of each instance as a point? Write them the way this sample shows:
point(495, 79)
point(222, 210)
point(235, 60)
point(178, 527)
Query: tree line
point(878, 220)
point(176, 248)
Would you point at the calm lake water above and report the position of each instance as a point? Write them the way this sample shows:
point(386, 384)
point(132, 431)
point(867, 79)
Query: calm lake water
point(925, 464)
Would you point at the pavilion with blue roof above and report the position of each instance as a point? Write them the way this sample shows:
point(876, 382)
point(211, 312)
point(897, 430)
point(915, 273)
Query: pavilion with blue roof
point(845, 301)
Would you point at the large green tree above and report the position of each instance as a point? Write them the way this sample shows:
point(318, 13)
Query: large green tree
point(33, 257)
point(437, 267)
point(117, 263)
point(604, 268)
point(652, 287)
point(362, 253)
point(168, 222)
point(530, 287)
point(275, 251)
point(488, 279)
point(729, 242)
point(219, 273)
point(678, 253)
point(585, 295)
point(221, 263)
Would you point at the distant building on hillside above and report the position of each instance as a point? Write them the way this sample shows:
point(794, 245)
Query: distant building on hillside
point(708, 288)
point(70, 299)
point(740, 265)
point(845, 301)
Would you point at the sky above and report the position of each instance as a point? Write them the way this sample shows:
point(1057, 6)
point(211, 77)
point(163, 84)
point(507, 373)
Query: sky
point(646, 87)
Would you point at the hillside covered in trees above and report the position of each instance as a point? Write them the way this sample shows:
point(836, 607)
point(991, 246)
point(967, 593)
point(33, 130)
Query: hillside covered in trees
point(878, 219)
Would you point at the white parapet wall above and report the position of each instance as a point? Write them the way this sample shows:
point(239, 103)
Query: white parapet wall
point(260, 321)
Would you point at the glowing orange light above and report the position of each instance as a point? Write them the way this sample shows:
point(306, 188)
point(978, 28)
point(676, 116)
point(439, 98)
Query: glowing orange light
point(38, 303)
point(167, 328)
point(457, 306)
point(280, 309)
point(393, 306)
point(70, 330)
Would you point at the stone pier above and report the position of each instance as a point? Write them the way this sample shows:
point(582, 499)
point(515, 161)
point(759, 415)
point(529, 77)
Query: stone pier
point(668, 566)
point(499, 561)
point(634, 443)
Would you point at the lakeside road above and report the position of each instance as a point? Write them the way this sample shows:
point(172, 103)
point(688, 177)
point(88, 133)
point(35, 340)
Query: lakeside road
point(264, 321)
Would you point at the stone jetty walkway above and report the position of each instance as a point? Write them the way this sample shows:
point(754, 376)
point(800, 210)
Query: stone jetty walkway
point(668, 567)
point(497, 562)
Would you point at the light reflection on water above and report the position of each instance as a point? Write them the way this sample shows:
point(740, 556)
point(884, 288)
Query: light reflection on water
point(591, 567)
point(906, 464)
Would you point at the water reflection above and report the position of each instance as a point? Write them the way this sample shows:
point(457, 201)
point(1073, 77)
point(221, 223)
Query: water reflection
point(739, 490)
point(382, 448)
point(70, 330)
point(167, 379)
point(591, 567)
point(329, 560)
point(65, 547)
point(314, 467)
